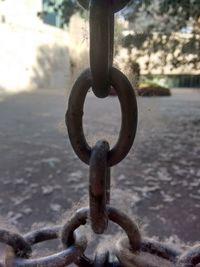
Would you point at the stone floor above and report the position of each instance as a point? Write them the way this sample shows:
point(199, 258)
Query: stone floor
point(158, 183)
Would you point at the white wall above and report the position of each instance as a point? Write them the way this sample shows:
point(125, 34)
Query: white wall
point(33, 57)
point(20, 11)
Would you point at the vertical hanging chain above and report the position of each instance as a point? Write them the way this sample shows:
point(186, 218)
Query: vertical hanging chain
point(100, 77)
point(129, 251)
point(100, 158)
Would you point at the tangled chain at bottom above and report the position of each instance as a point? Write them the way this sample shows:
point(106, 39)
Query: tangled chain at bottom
point(132, 251)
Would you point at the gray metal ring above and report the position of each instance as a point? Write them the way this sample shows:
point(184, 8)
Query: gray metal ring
point(60, 259)
point(129, 111)
point(117, 5)
point(191, 258)
point(41, 235)
point(160, 249)
point(116, 216)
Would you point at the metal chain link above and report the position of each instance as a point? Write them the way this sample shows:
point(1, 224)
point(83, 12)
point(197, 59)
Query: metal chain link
point(98, 187)
point(133, 250)
point(74, 116)
point(101, 46)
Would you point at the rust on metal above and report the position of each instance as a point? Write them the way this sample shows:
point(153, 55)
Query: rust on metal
point(129, 112)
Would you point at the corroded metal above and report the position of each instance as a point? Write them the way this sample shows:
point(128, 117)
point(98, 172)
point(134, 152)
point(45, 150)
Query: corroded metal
point(60, 259)
point(98, 186)
point(129, 111)
point(116, 216)
point(19, 245)
point(101, 41)
point(41, 235)
point(101, 46)
point(130, 251)
point(190, 258)
point(160, 249)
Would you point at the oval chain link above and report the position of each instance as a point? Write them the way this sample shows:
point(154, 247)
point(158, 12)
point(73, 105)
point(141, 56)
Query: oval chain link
point(116, 216)
point(129, 112)
point(15, 258)
point(19, 245)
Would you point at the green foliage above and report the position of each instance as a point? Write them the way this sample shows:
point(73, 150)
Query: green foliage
point(148, 87)
point(174, 49)
point(147, 15)
point(136, 40)
point(163, 15)
point(64, 8)
point(192, 46)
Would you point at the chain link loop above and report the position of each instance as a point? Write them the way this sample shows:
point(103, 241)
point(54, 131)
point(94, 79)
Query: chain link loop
point(101, 42)
point(42, 235)
point(160, 249)
point(60, 259)
point(131, 251)
point(20, 247)
point(116, 216)
point(190, 258)
point(74, 115)
point(151, 254)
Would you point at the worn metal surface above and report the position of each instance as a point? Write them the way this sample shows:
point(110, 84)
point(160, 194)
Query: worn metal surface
point(190, 258)
point(74, 116)
point(16, 257)
point(101, 46)
point(20, 247)
point(98, 187)
point(60, 259)
point(154, 254)
point(116, 216)
point(43, 234)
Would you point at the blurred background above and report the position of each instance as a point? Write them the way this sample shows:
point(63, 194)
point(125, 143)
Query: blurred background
point(44, 46)
point(47, 42)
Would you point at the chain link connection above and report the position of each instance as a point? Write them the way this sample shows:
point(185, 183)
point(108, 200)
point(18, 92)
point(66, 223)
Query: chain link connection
point(134, 250)
point(74, 116)
point(130, 252)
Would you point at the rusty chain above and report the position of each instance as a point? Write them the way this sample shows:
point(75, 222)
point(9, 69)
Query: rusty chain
point(133, 250)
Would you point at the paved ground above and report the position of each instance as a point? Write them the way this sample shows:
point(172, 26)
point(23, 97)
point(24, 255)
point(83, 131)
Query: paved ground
point(159, 182)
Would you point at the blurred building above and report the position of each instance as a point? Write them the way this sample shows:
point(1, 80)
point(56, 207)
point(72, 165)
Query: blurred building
point(51, 18)
point(34, 55)
point(23, 12)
